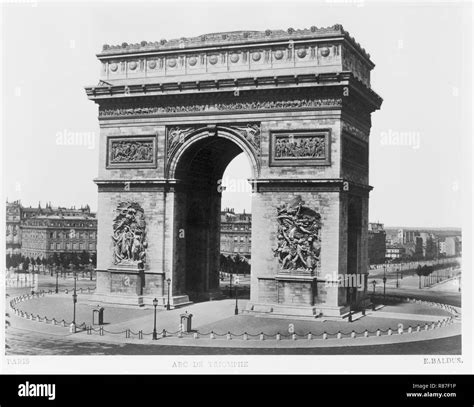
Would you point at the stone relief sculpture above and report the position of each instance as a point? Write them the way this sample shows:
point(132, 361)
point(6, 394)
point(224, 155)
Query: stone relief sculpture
point(175, 137)
point(129, 236)
point(300, 147)
point(239, 106)
point(251, 133)
point(299, 240)
point(129, 151)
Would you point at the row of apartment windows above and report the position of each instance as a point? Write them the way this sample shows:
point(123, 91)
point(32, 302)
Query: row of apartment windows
point(75, 246)
point(235, 227)
point(67, 235)
point(237, 239)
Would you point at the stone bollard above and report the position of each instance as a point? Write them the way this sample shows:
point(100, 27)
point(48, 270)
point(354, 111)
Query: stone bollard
point(38, 319)
point(53, 321)
point(389, 332)
point(195, 335)
point(426, 327)
point(72, 328)
point(245, 336)
point(63, 323)
point(400, 331)
point(325, 335)
point(339, 335)
point(310, 336)
point(212, 336)
point(66, 291)
point(228, 336)
point(410, 330)
point(366, 333)
point(293, 336)
point(438, 325)
point(262, 337)
point(278, 336)
point(353, 334)
point(378, 333)
point(163, 333)
point(433, 325)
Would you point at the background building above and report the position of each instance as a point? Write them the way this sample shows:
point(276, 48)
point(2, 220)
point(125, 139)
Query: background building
point(450, 246)
point(377, 243)
point(236, 232)
point(43, 232)
point(395, 252)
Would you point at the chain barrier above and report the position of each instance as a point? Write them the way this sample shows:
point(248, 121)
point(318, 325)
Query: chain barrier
point(245, 335)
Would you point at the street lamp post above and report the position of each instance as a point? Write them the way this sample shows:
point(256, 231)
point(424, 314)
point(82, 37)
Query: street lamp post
point(397, 281)
point(155, 304)
point(349, 319)
point(236, 311)
point(57, 287)
point(230, 285)
point(384, 280)
point(168, 281)
point(74, 301)
point(373, 303)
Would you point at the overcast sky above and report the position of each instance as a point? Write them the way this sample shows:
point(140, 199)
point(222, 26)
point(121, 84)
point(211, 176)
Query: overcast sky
point(423, 68)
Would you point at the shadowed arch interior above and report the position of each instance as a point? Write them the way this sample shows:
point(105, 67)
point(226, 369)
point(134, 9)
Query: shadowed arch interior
point(198, 171)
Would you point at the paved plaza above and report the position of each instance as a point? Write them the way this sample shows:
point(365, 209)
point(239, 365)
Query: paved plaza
point(219, 318)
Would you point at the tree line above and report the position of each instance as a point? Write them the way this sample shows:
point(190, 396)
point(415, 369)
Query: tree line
point(234, 264)
point(65, 260)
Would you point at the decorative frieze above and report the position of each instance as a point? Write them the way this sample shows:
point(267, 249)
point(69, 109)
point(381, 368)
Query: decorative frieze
point(300, 148)
point(216, 107)
point(131, 152)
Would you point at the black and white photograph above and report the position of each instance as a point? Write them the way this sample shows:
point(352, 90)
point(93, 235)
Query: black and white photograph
point(214, 187)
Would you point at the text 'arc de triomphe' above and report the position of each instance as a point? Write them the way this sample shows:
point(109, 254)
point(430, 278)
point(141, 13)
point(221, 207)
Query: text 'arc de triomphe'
point(173, 114)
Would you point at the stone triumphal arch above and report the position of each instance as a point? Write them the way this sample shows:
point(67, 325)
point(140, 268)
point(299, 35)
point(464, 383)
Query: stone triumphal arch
point(173, 114)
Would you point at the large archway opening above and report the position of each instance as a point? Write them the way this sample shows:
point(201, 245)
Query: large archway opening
point(199, 172)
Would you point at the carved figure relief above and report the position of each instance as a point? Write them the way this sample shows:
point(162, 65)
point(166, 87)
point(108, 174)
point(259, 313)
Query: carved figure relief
point(299, 237)
point(300, 148)
point(305, 147)
point(129, 234)
point(263, 105)
point(177, 135)
point(131, 152)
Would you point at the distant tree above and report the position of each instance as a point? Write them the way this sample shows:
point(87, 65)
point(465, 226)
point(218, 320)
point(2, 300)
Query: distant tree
point(419, 273)
point(85, 257)
point(26, 263)
point(8, 261)
point(65, 260)
point(94, 259)
point(55, 259)
point(76, 259)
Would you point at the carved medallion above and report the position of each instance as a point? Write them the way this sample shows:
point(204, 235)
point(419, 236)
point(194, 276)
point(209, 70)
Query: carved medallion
point(299, 238)
point(129, 235)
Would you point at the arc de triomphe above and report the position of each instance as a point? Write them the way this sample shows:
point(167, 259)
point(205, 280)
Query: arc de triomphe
point(173, 114)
